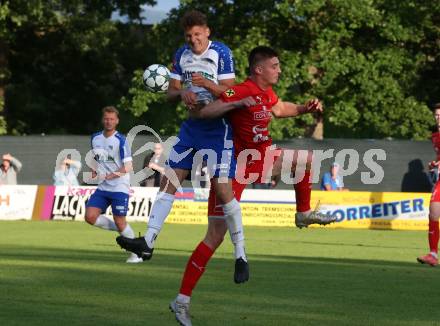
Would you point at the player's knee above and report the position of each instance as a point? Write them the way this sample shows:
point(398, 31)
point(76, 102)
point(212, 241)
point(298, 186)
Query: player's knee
point(224, 194)
point(90, 218)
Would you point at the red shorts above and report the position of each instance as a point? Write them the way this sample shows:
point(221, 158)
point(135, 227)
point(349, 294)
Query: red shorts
point(248, 171)
point(435, 197)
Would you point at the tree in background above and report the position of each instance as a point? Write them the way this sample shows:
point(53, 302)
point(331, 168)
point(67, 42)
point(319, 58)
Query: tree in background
point(375, 64)
point(61, 61)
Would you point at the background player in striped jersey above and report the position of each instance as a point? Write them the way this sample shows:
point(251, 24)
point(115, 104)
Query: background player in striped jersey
point(251, 105)
point(112, 165)
point(202, 70)
point(434, 207)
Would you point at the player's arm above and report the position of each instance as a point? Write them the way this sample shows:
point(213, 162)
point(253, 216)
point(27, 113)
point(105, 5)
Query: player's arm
point(213, 88)
point(288, 109)
point(156, 167)
point(433, 164)
point(126, 168)
point(218, 108)
point(175, 93)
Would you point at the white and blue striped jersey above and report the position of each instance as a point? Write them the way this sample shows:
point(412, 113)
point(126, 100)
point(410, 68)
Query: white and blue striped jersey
point(110, 154)
point(215, 64)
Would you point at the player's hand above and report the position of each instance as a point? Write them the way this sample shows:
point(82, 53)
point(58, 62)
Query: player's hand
point(314, 106)
point(433, 164)
point(189, 98)
point(7, 157)
point(112, 176)
point(246, 102)
point(198, 80)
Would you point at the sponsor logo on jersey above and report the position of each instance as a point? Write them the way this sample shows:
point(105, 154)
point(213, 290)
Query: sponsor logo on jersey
point(262, 115)
point(258, 134)
point(256, 129)
point(187, 75)
point(230, 92)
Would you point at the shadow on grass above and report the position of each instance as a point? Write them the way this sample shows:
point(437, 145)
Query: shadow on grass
point(54, 286)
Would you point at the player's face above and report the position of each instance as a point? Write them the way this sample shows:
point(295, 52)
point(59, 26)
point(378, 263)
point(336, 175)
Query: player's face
point(197, 38)
point(437, 117)
point(270, 70)
point(110, 121)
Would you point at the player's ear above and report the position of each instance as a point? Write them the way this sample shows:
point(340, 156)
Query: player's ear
point(208, 31)
point(259, 69)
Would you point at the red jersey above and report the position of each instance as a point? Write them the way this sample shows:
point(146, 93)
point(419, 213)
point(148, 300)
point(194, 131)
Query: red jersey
point(250, 124)
point(435, 138)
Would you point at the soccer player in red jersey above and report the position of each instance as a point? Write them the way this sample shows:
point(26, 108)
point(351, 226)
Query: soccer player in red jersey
point(434, 207)
point(250, 106)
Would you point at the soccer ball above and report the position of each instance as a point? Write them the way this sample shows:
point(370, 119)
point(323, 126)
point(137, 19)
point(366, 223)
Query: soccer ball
point(156, 78)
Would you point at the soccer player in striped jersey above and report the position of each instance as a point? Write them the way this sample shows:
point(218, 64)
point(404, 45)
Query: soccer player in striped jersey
point(113, 163)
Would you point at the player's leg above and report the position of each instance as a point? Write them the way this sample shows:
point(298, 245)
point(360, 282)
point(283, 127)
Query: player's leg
point(433, 232)
point(179, 165)
point(97, 204)
point(119, 203)
point(144, 246)
point(300, 163)
point(196, 266)
point(162, 205)
point(232, 212)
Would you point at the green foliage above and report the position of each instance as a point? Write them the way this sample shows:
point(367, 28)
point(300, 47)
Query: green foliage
point(374, 63)
point(65, 60)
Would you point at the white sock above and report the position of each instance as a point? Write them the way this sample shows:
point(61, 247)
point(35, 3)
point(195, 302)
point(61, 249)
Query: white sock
point(128, 232)
point(233, 217)
point(434, 254)
point(182, 298)
point(159, 212)
point(105, 223)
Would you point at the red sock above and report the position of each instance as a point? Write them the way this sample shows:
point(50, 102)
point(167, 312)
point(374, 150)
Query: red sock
point(303, 191)
point(195, 268)
point(433, 236)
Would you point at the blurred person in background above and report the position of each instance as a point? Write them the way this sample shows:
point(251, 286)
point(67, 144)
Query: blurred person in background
point(156, 162)
point(9, 169)
point(332, 181)
point(111, 169)
point(66, 172)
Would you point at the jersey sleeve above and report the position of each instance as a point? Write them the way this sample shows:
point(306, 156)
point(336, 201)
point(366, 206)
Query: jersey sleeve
point(124, 149)
point(176, 70)
point(273, 97)
point(226, 68)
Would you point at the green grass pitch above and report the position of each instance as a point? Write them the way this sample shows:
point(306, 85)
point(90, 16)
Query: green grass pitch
point(69, 273)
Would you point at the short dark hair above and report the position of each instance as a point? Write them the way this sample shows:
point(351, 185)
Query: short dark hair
point(110, 109)
point(193, 18)
point(259, 54)
point(436, 106)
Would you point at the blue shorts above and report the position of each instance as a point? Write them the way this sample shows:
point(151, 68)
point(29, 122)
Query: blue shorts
point(209, 140)
point(103, 199)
